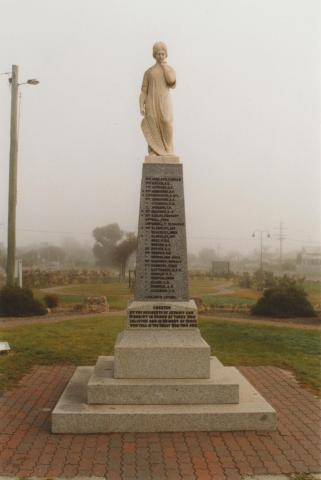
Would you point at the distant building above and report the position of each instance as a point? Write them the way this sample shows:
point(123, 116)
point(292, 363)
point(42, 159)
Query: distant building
point(220, 268)
point(309, 261)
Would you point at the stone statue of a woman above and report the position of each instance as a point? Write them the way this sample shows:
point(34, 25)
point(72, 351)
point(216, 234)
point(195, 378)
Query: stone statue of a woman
point(155, 103)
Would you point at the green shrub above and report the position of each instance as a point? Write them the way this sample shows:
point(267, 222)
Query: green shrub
point(19, 302)
point(285, 300)
point(51, 300)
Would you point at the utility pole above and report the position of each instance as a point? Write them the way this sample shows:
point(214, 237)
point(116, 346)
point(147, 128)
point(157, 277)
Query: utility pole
point(13, 164)
point(12, 200)
point(261, 232)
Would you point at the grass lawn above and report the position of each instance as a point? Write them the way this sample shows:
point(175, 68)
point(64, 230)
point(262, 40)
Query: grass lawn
point(211, 290)
point(68, 299)
point(80, 341)
point(208, 290)
point(202, 285)
point(212, 300)
point(247, 344)
point(77, 342)
point(246, 293)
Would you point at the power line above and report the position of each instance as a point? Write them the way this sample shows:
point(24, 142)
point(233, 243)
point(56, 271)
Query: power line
point(61, 232)
point(87, 233)
point(54, 232)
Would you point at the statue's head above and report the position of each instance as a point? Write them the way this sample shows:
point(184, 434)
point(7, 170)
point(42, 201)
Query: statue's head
point(159, 51)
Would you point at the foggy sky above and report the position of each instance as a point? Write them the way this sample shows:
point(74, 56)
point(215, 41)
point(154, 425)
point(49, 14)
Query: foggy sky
point(246, 115)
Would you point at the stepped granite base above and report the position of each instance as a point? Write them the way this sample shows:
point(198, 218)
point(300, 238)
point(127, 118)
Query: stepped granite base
point(73, 414)
point(103, 388)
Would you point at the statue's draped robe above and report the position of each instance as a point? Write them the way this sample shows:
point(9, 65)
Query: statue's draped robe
point(157, 124)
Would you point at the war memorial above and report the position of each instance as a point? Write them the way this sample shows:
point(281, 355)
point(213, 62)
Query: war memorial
point(162, 377)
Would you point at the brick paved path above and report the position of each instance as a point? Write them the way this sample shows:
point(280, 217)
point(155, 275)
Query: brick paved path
point(27, 448)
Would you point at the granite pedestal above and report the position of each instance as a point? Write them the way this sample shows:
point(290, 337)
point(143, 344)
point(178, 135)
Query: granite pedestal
point(161, 377)
point(161, 353)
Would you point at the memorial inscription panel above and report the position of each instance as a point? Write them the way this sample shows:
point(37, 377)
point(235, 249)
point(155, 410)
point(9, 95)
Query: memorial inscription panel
point(162, 315)
point(161, 256)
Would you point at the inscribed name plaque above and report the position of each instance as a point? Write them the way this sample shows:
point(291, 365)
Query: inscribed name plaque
point(161, 256)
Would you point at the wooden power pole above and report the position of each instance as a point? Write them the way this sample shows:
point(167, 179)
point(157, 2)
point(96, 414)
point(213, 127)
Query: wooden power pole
point(12, 200)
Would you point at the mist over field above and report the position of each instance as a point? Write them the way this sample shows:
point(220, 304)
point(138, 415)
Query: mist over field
point(246, 117)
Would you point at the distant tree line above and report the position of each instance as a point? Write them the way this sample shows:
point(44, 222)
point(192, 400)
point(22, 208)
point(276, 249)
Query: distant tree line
point(112, 249)
point(71, 254)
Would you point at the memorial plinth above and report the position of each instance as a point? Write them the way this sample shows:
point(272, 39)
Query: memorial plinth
point(161, 377)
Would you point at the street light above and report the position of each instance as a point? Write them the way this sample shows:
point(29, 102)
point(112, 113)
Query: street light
point(12, 198)
point(32, 81)
point(261, 232)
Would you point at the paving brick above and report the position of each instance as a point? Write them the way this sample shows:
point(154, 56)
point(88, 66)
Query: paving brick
point(231, 474)
point(98, 470)
point(24, 473)
point(186, 469)
point(27, 448)
point(55, 471)
point(245, 469)
point(173, 474)
point(70, 471)
point(40, 470)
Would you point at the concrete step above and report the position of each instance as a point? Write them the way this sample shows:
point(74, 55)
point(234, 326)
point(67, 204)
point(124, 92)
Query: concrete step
point(220, 388)
point(72, 414)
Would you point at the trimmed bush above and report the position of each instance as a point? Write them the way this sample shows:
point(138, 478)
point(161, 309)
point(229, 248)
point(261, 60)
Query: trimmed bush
point(51, 300)
point(284, 301)
point(19, 302)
